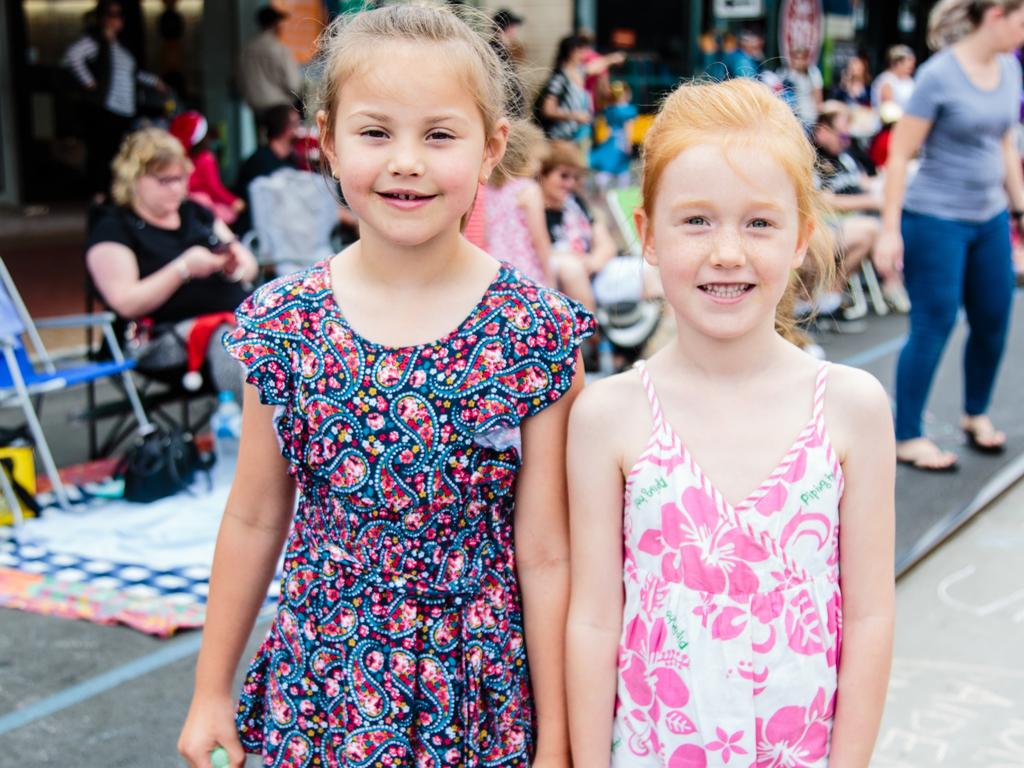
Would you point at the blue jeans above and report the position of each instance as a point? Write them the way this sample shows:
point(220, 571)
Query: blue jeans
point(948, 264)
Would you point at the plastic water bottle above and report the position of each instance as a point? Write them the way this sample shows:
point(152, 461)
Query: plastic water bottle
point(226, 424)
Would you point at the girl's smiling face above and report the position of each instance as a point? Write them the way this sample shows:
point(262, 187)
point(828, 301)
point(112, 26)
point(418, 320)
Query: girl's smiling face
point(725, 233)
point(409, 145)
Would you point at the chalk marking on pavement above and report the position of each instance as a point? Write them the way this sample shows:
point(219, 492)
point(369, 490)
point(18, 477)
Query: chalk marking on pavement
point(977, 610)
point(861, 359)
point(176, 651)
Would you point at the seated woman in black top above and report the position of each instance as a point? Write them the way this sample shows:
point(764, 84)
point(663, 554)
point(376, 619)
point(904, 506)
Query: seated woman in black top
point(157, 256)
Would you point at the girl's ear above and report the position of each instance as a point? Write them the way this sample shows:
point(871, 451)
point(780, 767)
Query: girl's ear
point(327, 142)
point(646, 240)
point(803, 244)
point(494, 149)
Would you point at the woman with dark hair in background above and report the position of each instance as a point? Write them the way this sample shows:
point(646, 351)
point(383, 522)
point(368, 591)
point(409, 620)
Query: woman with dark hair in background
point(563, 107)
point(853, 83)
point(952, 229)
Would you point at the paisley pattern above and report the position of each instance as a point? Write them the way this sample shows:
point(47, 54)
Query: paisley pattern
point(399, 636)
point(732, 620)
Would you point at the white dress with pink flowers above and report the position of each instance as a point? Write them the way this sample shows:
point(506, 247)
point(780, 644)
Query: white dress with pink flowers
point(732, 617)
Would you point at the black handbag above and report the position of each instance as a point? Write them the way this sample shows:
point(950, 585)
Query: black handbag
point(160, 464)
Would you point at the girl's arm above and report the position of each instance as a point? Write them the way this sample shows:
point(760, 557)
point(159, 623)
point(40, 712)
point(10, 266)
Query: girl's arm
point(252, 533)
point(860, 407)
point(542, 562)
point(115, 273)
point(595, 608)
point(906, 139)
point(1014, 176)
point(531, 200)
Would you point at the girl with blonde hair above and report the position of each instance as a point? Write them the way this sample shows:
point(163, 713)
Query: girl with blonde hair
point(728, 604)
point(414, 393)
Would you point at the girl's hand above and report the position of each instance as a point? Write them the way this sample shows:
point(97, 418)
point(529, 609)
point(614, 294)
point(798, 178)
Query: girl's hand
point(202, 262)
point(888, 255)
point(210, 723)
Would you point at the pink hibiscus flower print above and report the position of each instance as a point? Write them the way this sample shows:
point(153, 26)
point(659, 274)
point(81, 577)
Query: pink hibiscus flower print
point(701, 549)
point(650, 677)
point(795, 736)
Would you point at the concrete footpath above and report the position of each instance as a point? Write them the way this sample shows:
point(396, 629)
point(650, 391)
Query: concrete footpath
point(84, 696)
point(956, 696)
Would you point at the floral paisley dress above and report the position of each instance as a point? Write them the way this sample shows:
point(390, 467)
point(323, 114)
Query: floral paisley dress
point(732, 617)
point(398, 639)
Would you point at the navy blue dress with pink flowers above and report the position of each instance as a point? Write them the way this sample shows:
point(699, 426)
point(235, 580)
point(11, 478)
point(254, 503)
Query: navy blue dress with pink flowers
point(398, 639)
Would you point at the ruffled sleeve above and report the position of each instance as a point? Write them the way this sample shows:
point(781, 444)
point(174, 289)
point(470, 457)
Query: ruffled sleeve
point(266, 341)
point(549, 364)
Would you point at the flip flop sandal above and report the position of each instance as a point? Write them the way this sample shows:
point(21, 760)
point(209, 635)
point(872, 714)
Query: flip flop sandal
point(916, 464)
point(972, 442)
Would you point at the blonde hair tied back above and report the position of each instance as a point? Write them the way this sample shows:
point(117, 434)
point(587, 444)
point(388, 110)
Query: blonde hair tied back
point(458, 32)
point(951, 20)
point(526, 142)
point(142, 153)
point(743, 112)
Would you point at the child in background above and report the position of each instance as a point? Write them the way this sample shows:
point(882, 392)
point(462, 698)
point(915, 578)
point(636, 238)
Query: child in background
point(517, 232)
point(611, 158)
point(204, 185)
point(745, 612)
point(416, 393)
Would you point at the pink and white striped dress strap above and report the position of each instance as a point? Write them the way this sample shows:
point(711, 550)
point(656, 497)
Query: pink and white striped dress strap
point(652, 396)
point(818, 412)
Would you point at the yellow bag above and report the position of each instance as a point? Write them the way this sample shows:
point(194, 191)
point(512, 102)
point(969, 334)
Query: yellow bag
point(24, 472)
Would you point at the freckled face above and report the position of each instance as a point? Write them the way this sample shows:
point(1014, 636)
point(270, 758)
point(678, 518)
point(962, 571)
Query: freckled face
point(725, 233)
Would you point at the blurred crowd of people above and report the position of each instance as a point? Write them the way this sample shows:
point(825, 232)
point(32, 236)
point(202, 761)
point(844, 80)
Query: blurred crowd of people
point(545, 210)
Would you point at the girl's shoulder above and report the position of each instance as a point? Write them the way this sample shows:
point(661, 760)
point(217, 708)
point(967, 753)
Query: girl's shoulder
point(526, 189)
point(850, 387)
point(857, 409)
point(621, 394)
point(614, 418)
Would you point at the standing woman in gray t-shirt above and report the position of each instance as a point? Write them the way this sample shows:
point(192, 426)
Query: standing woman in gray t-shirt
point(953, 237)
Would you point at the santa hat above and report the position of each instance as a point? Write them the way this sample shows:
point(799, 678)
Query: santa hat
point(189, 128)
point(196, 344)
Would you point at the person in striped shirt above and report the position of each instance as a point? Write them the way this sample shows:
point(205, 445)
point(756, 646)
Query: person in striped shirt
point(108, 72)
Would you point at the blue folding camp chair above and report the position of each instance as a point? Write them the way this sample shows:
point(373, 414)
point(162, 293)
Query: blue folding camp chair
point(21, 381)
